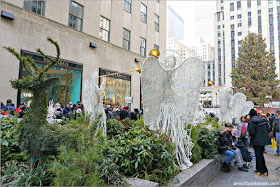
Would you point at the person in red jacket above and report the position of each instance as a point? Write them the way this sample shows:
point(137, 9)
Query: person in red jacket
point(20, 108)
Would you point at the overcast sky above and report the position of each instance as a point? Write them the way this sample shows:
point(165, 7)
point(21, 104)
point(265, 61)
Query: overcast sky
point(199, 19)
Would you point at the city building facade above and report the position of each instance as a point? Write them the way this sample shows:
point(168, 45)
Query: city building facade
point(182, 50)
point(233, 21)
point(175, 24)
point(205, 52)
point(94, 36)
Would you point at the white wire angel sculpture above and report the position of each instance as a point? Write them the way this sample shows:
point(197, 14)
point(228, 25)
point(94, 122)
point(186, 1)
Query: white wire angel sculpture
point(233, 105)
point(170, 90)
point(92, 98)
point(50, 110)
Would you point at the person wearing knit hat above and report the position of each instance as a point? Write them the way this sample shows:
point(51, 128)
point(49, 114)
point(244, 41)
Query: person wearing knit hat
point(253, 113)
point(259, 130)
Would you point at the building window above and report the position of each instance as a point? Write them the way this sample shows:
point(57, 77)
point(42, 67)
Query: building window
point(67, 89)
point(231, 17)
point(238, 5)
point(156, 22)
point(248, 3)
point(117, 88)
point(76, 16)
point(258, 2)
point(239, 33)
point(156, 47)
point(249, 13)
point(142, 46)
point(126, 39)
point(239, 16)
point(239, 25)
point(37, 7)
point(232, 26)
point(231, 7)
point(143, 15)
point(127, 5)
point(104, 32)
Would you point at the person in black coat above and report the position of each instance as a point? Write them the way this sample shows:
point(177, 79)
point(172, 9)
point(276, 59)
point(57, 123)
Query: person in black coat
point(258, 129)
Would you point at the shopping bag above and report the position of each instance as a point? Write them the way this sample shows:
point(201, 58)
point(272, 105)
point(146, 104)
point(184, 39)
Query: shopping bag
point(273, 143)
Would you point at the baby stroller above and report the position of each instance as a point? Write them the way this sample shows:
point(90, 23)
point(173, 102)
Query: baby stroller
point(244, 151)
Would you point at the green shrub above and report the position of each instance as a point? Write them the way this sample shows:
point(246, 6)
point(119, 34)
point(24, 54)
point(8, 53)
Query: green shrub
point(196, 150)
point(207, 141)
point(20, 174)
point(79, 167)
point(143, 153)
point(9, 147)
point(109, 172)
point(114, 127)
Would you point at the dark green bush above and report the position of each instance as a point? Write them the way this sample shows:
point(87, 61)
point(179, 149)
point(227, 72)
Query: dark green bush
point(109, 172)
point(196, 150)
point(79, 167)
point(207, 141)
point(9, 145)
point(114, 127)
point(21, 174)
point(143, 153)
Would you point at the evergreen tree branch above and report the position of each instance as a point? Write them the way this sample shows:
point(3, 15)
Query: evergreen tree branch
point(53, 62)
point(21, 58)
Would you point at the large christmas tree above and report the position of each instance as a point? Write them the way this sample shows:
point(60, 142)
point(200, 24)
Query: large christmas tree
point(254, 74)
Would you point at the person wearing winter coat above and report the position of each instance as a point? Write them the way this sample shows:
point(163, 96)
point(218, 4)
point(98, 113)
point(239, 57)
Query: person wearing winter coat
point(258, 129)
point(226, 147)
point(275, 131)
point(242, 130)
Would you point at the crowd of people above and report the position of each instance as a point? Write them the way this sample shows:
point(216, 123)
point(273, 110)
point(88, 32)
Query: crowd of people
point(254, 130)
point(10, 110)
point(121, 113)
point(60, 112)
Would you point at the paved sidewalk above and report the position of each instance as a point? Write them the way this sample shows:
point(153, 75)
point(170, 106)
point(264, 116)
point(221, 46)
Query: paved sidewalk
point(240, 178)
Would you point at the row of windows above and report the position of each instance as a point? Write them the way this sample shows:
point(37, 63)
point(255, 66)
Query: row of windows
point(271, 27)
point(76, 21)
point(76, 12)
point(238, 6)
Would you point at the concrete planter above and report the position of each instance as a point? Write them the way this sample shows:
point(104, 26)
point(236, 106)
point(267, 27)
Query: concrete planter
point(200, 174)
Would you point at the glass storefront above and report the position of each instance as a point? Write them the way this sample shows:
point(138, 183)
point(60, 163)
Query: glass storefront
point(69, 86)
point(117, 88)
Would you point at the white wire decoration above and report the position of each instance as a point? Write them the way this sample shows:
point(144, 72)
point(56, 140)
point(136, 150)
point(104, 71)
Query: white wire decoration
point(233, 105)
point(170, 91)
point(50, 114)
point(93, 102)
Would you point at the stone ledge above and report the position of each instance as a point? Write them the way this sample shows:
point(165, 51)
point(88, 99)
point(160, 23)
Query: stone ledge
point(136, 182)
point(200, 174)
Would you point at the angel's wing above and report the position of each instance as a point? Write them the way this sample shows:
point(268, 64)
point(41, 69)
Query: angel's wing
point(152, 88)
point(87, 96)
point(187, 83)
point(224, 101)
point(238, 102)
point(247, 107)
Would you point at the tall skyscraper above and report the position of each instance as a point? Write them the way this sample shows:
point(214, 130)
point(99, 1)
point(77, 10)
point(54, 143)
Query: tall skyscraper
point(175, 24)
point(234, 20)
